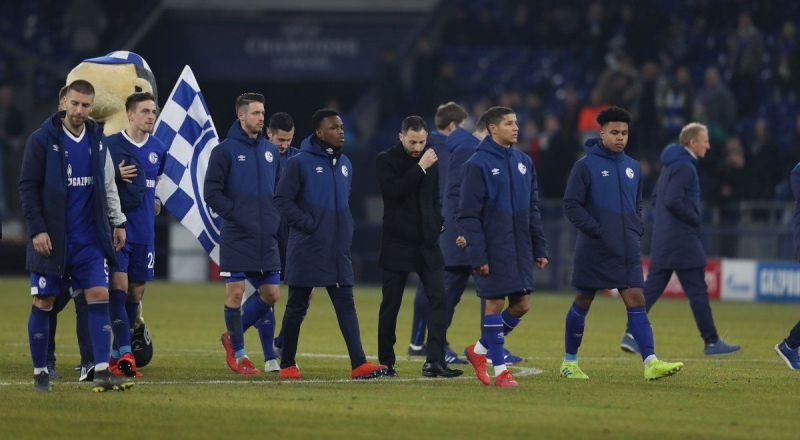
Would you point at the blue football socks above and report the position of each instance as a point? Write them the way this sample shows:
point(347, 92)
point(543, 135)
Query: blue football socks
point(119, 322)
point(493, 333)
point(640, 328)
point(573, 331)
point(39, 335)
point(100, 333)
point(233, 322)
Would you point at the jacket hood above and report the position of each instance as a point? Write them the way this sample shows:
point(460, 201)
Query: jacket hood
point(595, 147)
point(676, 153)
point(458, 136)
point(236, 133)
point(490, 146)
point(311, 145)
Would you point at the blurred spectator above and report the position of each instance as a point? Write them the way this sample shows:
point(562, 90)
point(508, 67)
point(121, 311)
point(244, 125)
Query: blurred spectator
point(733, 188)
point(763, 158)
point(646, 118)
point(390, 85)
point(745, 51)
point(426, 67)
point(12, 129)
point(787, 59)
point(675, 101)
point(718, 105)
point(557, 153)
point(587, 123)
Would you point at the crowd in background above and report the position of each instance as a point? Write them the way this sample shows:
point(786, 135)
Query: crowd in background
point(732, 65)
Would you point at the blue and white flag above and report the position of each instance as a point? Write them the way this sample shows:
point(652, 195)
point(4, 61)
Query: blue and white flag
point(186, 128)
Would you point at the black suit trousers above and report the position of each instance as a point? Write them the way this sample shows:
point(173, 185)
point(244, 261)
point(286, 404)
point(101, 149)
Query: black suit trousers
point(394, 282)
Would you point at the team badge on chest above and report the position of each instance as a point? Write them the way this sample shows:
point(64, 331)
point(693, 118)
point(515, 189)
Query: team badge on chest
point(345, 171)
point(153, 157)
point(522, 168)
point(629, 173)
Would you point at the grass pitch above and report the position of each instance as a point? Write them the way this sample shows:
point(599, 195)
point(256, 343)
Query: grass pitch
point(188, 392)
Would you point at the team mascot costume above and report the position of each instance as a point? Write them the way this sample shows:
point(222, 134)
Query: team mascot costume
point(115, 77)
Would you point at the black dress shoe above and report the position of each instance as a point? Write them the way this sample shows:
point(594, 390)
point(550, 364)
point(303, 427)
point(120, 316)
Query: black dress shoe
point(391, 372)
point(437, 369)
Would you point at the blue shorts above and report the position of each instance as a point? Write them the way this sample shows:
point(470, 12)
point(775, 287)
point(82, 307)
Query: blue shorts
point(86, 268)
point(257, 279)
point(138, 261)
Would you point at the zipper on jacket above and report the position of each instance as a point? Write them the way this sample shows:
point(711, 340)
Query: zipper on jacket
point(513, 211)
point(260, 216)
point(336, 213)
point(622, 213)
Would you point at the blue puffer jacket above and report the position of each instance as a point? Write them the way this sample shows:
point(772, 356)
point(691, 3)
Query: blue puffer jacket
point(43, 194)
point(239, 187)
point(283, 231)
point(602, 200)
point(794, 181)
point(314, 198)
point(130, 194)
point(460, 145)
point(676, 212)
point(499, 214)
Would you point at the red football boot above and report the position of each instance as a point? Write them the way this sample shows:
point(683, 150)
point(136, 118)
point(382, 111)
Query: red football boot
point(368, 370)
point(478, 362)
point(113, 367)
point(230, 357)
point(504, 380)
point(247, 368)
point(127, 365)
point(290, 373)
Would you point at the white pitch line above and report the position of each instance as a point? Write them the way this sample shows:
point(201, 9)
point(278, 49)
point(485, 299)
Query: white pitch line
point(520, 372)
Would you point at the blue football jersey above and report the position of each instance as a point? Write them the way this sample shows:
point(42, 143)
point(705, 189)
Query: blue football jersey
point(80, 218)
point(141, 221)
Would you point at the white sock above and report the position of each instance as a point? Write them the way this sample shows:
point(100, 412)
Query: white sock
point(480, 349)
point(415, 347)
point(649, 359)
point(39, 370)
point(101, 366)
point(498, 369)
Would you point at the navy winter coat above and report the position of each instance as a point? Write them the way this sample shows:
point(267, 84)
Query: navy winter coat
point(314, 198)
point(43, 194)
point(603, 201)
point(460, 145)
point(239, 187)
point(794, 181)
point(437, 141)
point(676, 211)
point(283, 231)
point(499, 214)
point(130, 194)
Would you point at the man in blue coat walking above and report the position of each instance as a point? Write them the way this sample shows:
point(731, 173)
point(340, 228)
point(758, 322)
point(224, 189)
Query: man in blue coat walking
point(603, 202)
point(240, 183)
point(75, 226)
point(314, 197)
point(502, 226)
point(788, 348)
point(677, 246)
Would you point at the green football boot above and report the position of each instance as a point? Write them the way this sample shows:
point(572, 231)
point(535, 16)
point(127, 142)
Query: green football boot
point(571, 370)
point(658, 369)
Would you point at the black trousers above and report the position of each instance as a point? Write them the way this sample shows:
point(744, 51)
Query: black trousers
point(394, 283)
point(694, 284)
point(343, 305)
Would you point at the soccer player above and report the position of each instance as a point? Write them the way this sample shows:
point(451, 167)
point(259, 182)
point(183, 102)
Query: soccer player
point(603, 202)
point(280, 132)
point(136, 261)
point(313, 196)
point(677, 246)
point(788, 348)
point(412, 222)
point(502, 227)
point(69, 220)
point(239, 186)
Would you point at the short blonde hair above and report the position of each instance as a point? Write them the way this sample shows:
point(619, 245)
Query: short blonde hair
point(691, 131)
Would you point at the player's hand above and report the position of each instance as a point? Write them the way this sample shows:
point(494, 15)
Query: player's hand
point(542, 262)
point(127, 172)
point(483, 270)
point(42, 244)
point(119, 238)
point(428, 159)
point(461, 241)
point(157, 207)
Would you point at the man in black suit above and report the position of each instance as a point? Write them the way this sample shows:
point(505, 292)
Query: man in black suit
point(412, 222)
